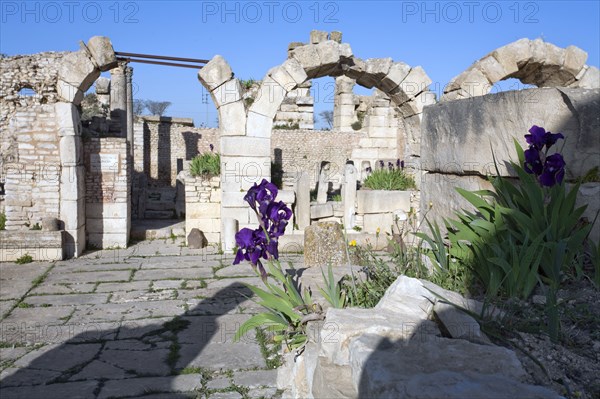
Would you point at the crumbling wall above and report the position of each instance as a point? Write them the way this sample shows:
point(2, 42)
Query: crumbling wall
point(29, 155)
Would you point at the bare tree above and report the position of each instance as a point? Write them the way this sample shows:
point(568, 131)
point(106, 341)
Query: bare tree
point(138, 107)
point(157, 107)
point(327, 116)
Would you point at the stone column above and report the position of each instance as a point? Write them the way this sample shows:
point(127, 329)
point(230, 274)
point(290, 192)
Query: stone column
point(103, 91)
point(323, 183)
point(303, 200)
point(118, 99)
point(229, 227)
point(129, 76)
point(344, 105)
point(349, 195)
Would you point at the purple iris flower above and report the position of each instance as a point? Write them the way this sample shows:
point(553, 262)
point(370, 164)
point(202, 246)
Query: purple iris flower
point(539, 138)
point(212, 147)
point(381, 164)
point(368, 170)
point(533, 162)
point(262, 243)
point(402, 164)
point(554, 170)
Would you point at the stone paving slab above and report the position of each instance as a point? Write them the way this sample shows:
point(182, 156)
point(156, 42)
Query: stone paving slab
point(149, 362)
point(67, 299)
point(123, 287)
point(71, 266)
point(140, 386)
point(129, 311)
point(10, 289)
point(5, 306)
point(173, 273)
point(12, 271)
point(63, 288)
point(71, 390)
point(136, 296)
point(90, 277)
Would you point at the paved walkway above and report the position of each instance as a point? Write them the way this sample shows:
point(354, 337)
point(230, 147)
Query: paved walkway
point(156, 321)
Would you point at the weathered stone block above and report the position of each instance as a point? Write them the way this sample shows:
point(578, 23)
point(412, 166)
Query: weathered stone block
point(227, 93)
point(492, 69)
point(103, 53)
point(309, 58)
point(72, 183)
point(269, 98)
point(78, 70)
point(318, 36)
point(215, 73)
point(324, 244)
point(68, 92)
point(375, 69)
point(295, 70)
point(258, 125)
point(397, 73)
point(319, 211)
point(71, 151)
point(381, 201)
point(72, 213)
point(280, 75)
point(232, 119)
point(382, 222)
point(329, 54)
point(102, 85)
point(203, 210)
point(336, 36)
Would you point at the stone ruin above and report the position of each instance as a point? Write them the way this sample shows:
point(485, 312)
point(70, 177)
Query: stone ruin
point(85, 185)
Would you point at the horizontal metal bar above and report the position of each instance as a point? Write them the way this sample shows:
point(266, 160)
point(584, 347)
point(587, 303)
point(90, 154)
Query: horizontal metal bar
point(160, 57)
point(160, 63)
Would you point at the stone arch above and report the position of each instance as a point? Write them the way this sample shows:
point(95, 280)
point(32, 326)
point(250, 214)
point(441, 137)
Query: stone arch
point(246, 133)
point(77, 72)
point(532, 62)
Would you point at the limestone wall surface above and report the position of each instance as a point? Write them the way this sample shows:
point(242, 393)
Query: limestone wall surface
point(460, 138)
point(203, 206)
point(304, 150)
point(159, 142)
point(108, 192)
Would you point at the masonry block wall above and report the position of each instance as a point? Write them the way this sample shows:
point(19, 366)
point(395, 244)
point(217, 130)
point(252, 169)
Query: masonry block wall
point(159, 142)
point(108, 195)
point(203, 206)
point(304, 150)
point(29, 152)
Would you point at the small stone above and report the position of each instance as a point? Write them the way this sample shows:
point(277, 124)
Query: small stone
point(539, 299)
point(196, 239)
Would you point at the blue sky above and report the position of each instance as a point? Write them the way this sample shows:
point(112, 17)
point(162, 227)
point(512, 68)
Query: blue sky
point(444, 37)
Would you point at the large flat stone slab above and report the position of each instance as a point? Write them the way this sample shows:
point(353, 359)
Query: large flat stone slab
point(74, 390)
point(90, 277)
point(165, 274)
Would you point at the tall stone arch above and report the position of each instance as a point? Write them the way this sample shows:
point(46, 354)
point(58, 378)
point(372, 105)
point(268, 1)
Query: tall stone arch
point(246, 134)
point(532, 62)
point(76, 74)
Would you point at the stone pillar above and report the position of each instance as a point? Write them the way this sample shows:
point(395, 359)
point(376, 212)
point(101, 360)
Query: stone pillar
point(344, 105)
point(349, 195)
point(129, 76)
point(323, 183)
point(303, 200)
point(103, 91)
point(229, 227)
point(118, 100)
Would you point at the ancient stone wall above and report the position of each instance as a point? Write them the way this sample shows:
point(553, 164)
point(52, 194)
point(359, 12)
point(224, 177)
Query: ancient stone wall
point(26, 84)
point(159, 142)
point(33, 173)
point(304, 150)
point(108, 193)
point(203, 206)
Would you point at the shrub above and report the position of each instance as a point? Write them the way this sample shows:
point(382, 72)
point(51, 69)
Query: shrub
point(525, 233)
point(390, 179)
point(356, 125)
point(207, 164)
point(24, 259)
point(2, 221)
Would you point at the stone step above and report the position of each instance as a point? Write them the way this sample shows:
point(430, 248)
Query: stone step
point(154, 214)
